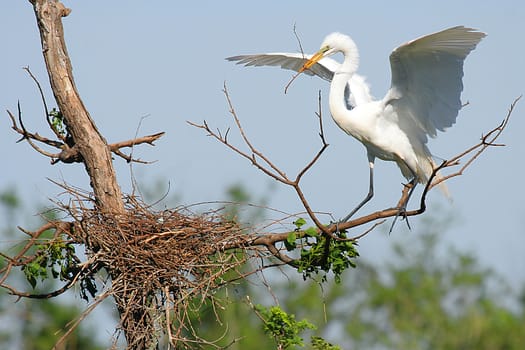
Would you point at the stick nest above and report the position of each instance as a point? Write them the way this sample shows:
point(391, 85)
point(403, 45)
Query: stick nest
point(160, 263)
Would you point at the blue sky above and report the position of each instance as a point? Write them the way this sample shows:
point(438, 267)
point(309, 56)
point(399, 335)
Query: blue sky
point(165, 60)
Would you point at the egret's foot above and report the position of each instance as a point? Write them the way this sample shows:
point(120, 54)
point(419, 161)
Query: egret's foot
point(338, 231)
point(337, 226)
point(400, 212)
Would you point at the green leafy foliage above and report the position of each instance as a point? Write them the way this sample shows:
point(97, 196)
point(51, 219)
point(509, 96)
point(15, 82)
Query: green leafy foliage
point(57, 121)
point(34, 270)
point(56, 258)
point(322, 255)
point(36, 324)
point(282, 326)
point(319, 343)
point(319, 254)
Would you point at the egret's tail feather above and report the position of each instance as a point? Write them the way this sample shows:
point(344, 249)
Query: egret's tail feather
point(438, 178)
point(443, 187)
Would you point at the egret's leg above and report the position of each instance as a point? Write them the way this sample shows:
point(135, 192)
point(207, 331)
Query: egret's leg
point(403, 208)
point(370, 191)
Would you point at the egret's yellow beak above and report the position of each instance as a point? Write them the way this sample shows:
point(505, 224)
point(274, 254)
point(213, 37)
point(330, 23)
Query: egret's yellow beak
point(308, 64)
point(315, 58)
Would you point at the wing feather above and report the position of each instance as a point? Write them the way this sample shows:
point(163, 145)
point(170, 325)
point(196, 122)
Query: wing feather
point(427, 79)
point(293, 61)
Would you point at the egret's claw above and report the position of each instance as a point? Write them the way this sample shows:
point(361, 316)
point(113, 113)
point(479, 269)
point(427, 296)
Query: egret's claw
point(400, 212)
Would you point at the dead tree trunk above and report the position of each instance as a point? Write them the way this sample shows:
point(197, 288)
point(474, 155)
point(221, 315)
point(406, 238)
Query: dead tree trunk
point(90, 144)
point(92, 147)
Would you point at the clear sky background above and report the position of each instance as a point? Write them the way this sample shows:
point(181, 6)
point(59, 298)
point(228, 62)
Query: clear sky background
point(165, 60)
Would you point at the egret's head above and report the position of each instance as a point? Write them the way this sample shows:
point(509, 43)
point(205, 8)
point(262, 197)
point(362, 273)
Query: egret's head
point(333, 43)
point(337, 42)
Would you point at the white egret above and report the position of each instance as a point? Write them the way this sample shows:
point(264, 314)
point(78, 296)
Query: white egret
point(424, 96)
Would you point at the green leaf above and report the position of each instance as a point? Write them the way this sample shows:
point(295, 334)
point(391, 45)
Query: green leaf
point(290, 241)
point(31, 280)
point(34, 270)
point(299, 223)
point(311, 232)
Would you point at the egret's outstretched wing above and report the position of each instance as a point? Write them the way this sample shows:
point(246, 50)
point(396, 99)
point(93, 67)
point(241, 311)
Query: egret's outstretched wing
point(325, 68)
point(427, 79)
point(357, 91)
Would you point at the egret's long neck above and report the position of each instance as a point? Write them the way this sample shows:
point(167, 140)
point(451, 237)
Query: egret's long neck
point(337, 102)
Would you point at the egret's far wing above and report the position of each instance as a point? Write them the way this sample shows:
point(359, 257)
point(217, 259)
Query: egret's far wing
point(427, 79)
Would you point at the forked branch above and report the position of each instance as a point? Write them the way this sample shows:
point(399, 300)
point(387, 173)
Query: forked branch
point(264, 164)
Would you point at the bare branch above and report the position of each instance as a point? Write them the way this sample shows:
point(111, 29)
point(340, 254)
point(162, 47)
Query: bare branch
point(358, 237)
point(486, 141)
point(72, 154)
point(271, 169)
point(25, 134)
point(298, 39)
point(29, 137)
point(44, 103)
point(254, 151)
point(324, 144)
point(149, 139)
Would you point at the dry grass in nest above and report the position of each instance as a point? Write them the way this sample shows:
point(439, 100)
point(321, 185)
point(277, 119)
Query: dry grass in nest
point(160, 263)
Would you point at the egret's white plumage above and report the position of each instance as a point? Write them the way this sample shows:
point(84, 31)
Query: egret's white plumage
point(424, 95)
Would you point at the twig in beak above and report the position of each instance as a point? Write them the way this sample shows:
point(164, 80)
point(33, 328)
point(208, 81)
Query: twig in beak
point(291, 80)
